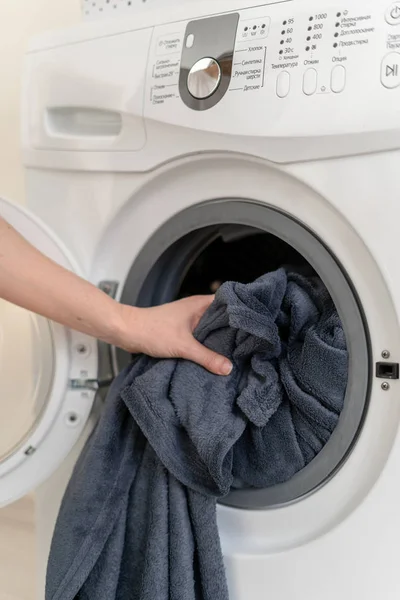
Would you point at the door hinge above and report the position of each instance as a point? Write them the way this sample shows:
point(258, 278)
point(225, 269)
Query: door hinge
point(91, 385)
point(105, 370)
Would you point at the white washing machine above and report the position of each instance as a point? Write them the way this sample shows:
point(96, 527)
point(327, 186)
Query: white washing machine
point(162, 144)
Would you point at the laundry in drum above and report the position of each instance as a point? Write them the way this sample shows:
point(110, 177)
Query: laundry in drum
point(138, 519)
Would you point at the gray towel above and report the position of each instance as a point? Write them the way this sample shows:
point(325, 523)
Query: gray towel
point(138, 520)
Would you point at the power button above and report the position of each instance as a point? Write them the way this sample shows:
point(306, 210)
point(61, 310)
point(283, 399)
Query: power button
point(392, 14)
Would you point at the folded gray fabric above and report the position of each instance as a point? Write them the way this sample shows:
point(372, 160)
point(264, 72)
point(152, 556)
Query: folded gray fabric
point(138, 520)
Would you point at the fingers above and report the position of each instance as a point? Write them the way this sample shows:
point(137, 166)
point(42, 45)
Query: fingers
point(205, 301)
point(200, 305)
point(213, 362)
point(196, 352)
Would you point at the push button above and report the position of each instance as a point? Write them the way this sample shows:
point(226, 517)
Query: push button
point(392, 14)
point(283, 84)
point(390, 70)
point(190, 40)
point(338, 79)
point(310, 81)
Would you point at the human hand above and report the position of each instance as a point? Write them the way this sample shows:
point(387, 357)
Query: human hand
point(167, 332)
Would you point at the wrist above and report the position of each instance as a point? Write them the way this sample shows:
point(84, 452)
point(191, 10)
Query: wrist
point(124, 327)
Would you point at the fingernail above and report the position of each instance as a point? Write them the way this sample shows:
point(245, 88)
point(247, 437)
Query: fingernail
point(226, 367)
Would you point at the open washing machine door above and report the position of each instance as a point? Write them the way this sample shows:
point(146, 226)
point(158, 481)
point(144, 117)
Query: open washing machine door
point(48, 377)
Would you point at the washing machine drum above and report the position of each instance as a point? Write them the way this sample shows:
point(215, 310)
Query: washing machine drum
point(199, 250)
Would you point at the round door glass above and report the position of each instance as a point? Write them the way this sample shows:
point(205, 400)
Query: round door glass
point(26, 373)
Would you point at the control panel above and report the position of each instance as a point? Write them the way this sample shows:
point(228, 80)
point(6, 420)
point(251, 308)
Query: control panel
point(288, 80)
point(292, 67)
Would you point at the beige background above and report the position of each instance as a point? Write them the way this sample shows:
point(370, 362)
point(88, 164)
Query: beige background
point(19, 19)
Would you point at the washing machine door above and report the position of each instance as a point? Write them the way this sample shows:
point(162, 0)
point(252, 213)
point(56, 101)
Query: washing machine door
point(47, 378)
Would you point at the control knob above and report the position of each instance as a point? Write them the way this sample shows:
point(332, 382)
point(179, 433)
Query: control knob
point(204, 78)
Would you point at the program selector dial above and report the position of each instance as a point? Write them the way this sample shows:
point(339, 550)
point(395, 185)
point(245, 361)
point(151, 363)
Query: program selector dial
point(204, 78)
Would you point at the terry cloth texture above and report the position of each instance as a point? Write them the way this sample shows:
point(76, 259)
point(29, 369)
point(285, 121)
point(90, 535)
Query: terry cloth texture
point(138, 520)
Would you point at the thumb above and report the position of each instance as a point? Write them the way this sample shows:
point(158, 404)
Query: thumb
point(213, 362)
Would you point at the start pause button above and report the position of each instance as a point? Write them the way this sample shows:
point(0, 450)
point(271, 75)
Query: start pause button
point(390, 70)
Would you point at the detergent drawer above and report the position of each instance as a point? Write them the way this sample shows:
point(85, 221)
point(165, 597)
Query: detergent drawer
point(87, 96)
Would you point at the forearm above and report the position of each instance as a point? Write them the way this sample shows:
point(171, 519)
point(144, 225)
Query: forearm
point(34, 282)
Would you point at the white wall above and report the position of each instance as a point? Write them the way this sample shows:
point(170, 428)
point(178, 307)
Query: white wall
point(19, 20)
